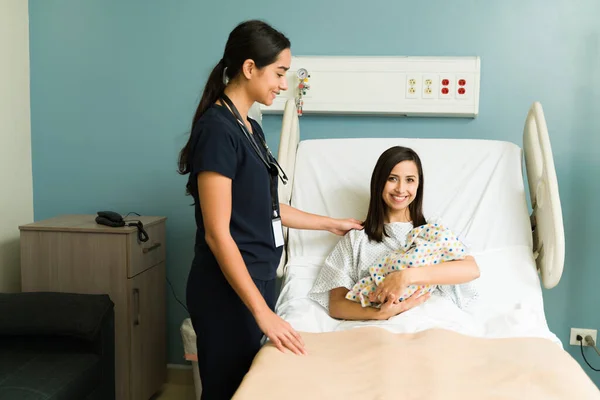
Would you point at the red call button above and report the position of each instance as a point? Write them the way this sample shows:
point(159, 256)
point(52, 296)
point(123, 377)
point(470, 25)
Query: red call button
point(445, 90)
point(462, 82)
point(445, 82)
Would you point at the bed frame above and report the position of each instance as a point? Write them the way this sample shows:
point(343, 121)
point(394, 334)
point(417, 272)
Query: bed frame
point(546, 215)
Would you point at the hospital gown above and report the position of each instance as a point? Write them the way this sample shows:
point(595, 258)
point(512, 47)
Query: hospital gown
point(355, 253)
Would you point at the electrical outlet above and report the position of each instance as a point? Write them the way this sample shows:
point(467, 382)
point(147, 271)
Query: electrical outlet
point(429, 86)
point(583, 333)
point(463, 86)
point(413, 86)
point(446, 88)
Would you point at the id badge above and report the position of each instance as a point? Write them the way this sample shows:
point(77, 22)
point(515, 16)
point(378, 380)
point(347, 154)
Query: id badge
point(278, 232)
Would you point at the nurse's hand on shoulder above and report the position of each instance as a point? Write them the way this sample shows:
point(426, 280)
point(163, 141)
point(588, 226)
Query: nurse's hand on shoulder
point(342, 226)
point(280, 332)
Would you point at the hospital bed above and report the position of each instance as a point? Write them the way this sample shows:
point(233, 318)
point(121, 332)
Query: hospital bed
point(501, 348)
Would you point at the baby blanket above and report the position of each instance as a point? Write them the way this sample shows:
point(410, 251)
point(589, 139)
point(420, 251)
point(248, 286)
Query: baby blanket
point(425, 245)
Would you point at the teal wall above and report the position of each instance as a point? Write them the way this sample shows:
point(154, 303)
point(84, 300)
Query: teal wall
point(114, 84)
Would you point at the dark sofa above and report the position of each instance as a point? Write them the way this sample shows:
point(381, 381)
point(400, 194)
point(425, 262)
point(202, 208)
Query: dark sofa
point(56, 346)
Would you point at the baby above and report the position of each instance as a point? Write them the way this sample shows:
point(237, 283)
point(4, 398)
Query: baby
point(425, 245)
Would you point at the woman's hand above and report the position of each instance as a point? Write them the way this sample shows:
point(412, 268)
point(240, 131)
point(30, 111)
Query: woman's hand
point(391, 308)
point(342, 226)
point(393, 286)
point(280, 332)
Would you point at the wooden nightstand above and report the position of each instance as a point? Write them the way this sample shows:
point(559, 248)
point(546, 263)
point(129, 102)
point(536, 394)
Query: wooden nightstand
point(72, 253)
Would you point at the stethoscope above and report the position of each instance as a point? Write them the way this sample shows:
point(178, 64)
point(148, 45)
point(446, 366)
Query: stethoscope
point(272, 165)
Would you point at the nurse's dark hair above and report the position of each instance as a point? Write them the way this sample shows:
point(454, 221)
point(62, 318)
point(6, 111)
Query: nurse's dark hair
point(255, 40)
point(373, 224)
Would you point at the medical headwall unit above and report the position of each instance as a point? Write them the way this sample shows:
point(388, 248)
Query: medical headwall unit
point(400, 86)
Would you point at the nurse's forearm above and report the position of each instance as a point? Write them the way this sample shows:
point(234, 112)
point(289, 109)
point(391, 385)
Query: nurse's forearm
point(293, 218)
point(232, 264)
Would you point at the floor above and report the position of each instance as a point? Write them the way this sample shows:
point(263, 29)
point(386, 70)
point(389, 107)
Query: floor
point(179, 385)
point(176, 392)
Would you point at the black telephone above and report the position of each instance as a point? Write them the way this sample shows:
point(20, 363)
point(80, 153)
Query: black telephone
point(110, 218)
point(115, 220)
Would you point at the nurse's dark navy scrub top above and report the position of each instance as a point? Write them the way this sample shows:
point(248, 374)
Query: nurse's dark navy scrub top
point(219, 145)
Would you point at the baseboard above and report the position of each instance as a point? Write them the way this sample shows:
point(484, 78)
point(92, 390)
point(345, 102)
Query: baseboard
point(180, 374)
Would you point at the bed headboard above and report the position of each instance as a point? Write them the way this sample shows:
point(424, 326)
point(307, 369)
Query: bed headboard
point(547, 226)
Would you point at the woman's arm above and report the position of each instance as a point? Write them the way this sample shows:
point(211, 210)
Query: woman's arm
point(215, 197)
point(447, 273)
point(342, 308)
point(293, 218)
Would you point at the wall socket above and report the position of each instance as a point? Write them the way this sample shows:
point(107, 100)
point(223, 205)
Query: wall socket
point(413, 86)
point(429, 87)
point(446, 88)
point(583, 333)
point(463, 86)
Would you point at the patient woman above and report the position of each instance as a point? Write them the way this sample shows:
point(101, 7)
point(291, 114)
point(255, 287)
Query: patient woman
point(395, 207)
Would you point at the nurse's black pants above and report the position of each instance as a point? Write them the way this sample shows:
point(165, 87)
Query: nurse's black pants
point(227, 335)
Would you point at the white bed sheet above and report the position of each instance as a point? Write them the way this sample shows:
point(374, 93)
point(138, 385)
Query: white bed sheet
point(474, 186)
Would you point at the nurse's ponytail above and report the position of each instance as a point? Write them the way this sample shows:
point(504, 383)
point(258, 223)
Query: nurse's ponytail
point(254, 40)
point(212, 91)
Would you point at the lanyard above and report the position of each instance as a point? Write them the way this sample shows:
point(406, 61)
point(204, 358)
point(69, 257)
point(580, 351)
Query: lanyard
point(270, 162)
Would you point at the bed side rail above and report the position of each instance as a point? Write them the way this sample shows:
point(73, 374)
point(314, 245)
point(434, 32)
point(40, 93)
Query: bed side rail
point(286, 157)
point(546, 218)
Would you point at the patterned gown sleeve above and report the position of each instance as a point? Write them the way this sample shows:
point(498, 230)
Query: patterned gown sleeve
point(339, 270)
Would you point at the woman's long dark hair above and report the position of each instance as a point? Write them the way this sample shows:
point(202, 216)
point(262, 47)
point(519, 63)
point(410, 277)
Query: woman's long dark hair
point(374, 227)
point(254, 40)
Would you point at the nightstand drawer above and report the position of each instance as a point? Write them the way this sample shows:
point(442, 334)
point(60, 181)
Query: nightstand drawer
point(144, 255)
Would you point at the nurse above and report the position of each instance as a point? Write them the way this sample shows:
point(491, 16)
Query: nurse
point(233, 179)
